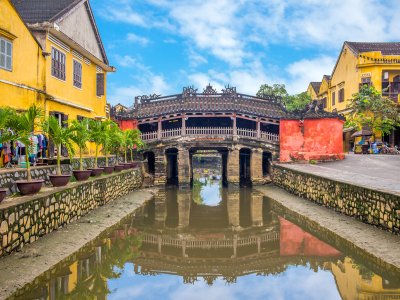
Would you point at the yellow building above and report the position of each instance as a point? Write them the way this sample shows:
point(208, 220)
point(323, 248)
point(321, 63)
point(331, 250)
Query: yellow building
point(59, 63)
point(355, 282)
point(376, 64)
point(313, 89)
point(21, 61)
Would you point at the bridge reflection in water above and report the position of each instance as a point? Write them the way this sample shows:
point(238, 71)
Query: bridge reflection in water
point(178, 235)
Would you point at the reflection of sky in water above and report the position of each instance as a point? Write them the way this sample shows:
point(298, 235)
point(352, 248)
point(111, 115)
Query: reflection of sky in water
point(294, 283)
point(210, 193)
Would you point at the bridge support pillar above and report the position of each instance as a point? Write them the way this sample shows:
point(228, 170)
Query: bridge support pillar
point(183, 209)
point(184, 166)
point(256, 209)
point(233, 168)
point(160, 174)
point(160, 213)
point(233, 206)
point(256, 166)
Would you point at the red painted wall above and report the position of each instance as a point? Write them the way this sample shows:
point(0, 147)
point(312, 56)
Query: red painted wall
point(311, 139)
point(128, 124)
point(295, 241)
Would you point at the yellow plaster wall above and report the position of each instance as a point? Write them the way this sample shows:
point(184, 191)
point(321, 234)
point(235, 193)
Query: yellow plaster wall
point(345, 72)
point(27, 62)
point(351, 285)
point(311, 92)
point(65, 90)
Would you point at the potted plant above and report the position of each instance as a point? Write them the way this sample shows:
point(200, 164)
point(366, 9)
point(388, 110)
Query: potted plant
point(61, 136)
point(5, 112)
point(23, 125)
point(135, 142)
point(125, 142)
point(108, 130)
point(116, 143)
point(80, 136)
point(97, 136)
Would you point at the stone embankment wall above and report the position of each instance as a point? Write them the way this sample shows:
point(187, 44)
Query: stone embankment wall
point(370, 206)
point(24, 219)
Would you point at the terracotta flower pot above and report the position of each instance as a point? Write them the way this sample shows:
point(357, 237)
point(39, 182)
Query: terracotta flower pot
point(29, 187)
point(59, 180)
point(126, 166)
point(108, 170)
point(3, 194)
point(119, 168)
point(82, 175)
point(96, 171)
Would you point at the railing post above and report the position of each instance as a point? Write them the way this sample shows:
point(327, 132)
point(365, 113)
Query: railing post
point(183, 125)
point(159, 129)
point(234, 127)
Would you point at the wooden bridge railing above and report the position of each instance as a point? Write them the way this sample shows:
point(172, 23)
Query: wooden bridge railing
point(211, 131)
point(207, 244)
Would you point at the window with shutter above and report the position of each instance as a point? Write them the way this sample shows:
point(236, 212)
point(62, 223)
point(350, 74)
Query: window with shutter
point(341, 95)
point(5, 54)
point(77, 74)
point(100, 84)
point(57, 64)
point(333, 98)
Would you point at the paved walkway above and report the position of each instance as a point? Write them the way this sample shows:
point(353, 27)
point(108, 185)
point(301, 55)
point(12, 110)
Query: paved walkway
point(380, 172)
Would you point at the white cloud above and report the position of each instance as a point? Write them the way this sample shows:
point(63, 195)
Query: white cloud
point(247, 80)
point(145, 82)
point(131, 37)
point(125, 61)
point(210, 25)
point(302, 72)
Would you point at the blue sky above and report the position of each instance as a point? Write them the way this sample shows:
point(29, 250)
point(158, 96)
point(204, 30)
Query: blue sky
point(295, 283)
point(160, 46)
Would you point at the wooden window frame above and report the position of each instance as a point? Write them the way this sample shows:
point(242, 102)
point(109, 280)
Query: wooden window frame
point(77, 78)
point(100, 90)
point(58, 64)
point(341, 95)
point(5, 54)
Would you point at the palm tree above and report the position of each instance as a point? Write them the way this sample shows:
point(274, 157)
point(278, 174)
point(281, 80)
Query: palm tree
point(135, 141)
point(126, 142)
point(108, 132)
point(60, 135)
point(23, 125)
point(97, 136)
point(80, 136)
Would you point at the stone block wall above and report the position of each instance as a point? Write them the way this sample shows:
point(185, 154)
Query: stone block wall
point(370, 206)
point(25, 219)
point(8, 177)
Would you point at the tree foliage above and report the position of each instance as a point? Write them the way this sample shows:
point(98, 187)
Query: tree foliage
point(23, 125)
point(61, 136)
point(291, 102)
point(369, 109)
point(80, 136)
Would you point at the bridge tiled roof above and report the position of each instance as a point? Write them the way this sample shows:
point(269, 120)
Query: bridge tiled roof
point(210, 101)
point(192, 102)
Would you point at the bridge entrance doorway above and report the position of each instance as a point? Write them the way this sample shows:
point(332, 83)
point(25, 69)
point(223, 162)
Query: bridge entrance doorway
point(266, 163)
point(172, 165)
point(244, 165)
point(151, 162)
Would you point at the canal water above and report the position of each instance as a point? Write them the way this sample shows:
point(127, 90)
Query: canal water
point(211, 242)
